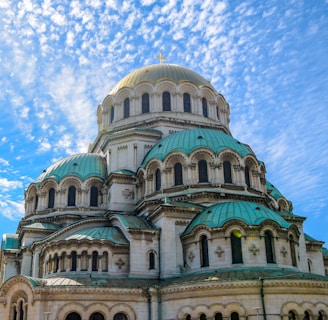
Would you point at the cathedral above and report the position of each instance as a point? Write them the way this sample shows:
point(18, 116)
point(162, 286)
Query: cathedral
point(167, 216)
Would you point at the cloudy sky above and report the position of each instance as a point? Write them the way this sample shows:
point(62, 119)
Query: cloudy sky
point(60, 58)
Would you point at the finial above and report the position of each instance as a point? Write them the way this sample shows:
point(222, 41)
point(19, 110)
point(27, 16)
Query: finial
point(161, 58)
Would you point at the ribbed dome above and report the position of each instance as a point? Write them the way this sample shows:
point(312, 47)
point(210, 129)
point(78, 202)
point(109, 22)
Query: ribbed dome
point(248, 212)
point(187, 141)
point(82, 165)
point(158, 72)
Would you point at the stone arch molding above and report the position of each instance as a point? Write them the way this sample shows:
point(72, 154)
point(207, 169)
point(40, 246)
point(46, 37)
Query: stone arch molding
point(300, 308)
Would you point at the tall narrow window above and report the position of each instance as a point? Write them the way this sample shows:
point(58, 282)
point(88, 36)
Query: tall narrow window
point(236, 250)
point(247, 177)
point(188, 317)
point(94, 197)
point(51, 198)
point(84, 261)
point(178, 174)
point(291, 315)
point(204, 261)
point(227, 172)
point(158, 180)
point(36, 201)
point(151, 260)
point(56, 265)
point(73, 260)
point(104, 261)
point(71, 196)
point(309, 265)
point(218, 316)
point(202, 171)
point(112, 114)
point(269, 248)
point(126, 108)
point(204, 107)
point(234, 316)
point(94, 261)
point(292, 250)
point(145, 103)
point(306, 315)
point(166, 101)
point(19, 310)
point(186, 102)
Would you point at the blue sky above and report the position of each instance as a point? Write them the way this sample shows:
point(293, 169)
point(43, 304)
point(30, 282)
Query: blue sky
point(59, 59)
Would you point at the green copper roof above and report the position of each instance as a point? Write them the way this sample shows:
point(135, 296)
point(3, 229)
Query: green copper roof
point(43, 226)
point(99, 233)
point(187, 141)
point(274, 192)
point(248, 212)
point(10, 242)
point(157, 72)
point(125, 172)
point(133, 222)
point(82, 165)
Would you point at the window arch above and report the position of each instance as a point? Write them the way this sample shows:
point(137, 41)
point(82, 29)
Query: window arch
point(19, 310)
point(227, 172)
point(178, 179)
point(188, 317)
point(218, 316)
point(158, 180)
point(94, 197)
point(306, 315)
point(56, 261)
point(104, 261)
point(84, 261)
point(204, 107)
point(186, 102)
point(112, 114)
point(292, 250)
point(204, 261)
point(145, 103)
point(269, 247)
point(320, 317)
point(73, 260)
point(202, 316)
point(247, 177)
point(36, 201)
point(236, 249)
point(94, 262)
point(51, 198)
point(235, 316)
point(126, 112)
point(71, 196)
point(291, 315)
point(166, 100)
point(73, 316)
point(151, 260)
point(97, 316)
point(202, 171)
point(120, 316)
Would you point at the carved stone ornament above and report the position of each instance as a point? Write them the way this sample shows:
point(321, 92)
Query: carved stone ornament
point(191, 256)
point(120, 263)
point(283, 251)
point(254, 249)
point(219, 251)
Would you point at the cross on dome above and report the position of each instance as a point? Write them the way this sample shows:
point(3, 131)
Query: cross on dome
point(161, 58)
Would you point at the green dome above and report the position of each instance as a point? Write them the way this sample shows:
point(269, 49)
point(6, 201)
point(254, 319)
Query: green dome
point(248, 212)
point(187, 141)
point(157, 72)
point(82, 165)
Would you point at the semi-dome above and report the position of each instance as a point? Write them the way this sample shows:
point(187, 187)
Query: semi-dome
point(83, 166)
point(248, 212)
point(187, 141)
point(158, 72)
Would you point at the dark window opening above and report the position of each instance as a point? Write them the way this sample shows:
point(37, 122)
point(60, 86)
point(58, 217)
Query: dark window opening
point(166, 101)
point(94, 261)
point(234, 316)
point(204, 107)
point(247, 177)
point(269, 248)
point(158, 180)
point(236, 249)
point(204, 252)
point(73, 260)
point(292, 250)
point(227, 172)
point(151, 260)
point(71, 196)
point(112, 113)
point(145, 103)
point(94, 197)
point(186, 102)
point(120, 316)
point(97, 316)
point(73, 316)
point(218, 316)
point(202, 316)
point(36, 202)
point(51, 198)
point(126, 108)
point(202, 171)
point(178, 174)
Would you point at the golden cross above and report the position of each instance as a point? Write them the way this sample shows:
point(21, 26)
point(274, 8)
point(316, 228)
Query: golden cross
point(160, 57)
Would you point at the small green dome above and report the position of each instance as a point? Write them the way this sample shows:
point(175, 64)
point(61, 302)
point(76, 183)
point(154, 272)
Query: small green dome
point(82, 165)
point(157, 72)
point(187, 141)
point(248, 212)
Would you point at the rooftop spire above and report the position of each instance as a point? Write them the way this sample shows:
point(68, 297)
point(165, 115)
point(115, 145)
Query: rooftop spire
point(161, 58)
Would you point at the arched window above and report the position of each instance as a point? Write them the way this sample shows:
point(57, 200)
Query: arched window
point(73, 260)
point(51, 198)
point(166, 101)
point(236, 250)
point(320, 316)
point(204, 107)
point(204, 262)
point(291, 315)
point(218, 316)
point(36, 202)
point(178, 174)
point(158, 180)
point(97, 316)
point(94, 197)
point(186, 102)
point(247, 177)
point(145, 103)
point(292, 250)
point(112, 114)
point(235, 316)
point(188, 317)
point(151, 260)
point(309, 265)
point(71, 196)
point(63, 262)
point(104, 261)
point(202, 171)
point(218, 112)
point(126, 108)
point(202, 316)
point(84, 261)
point(120, 316)
point(269, 248)
point(227, 172)
point(94, 261)
point(306, 315)
point(19, 310)
point(56, 261)
point(73, 316)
